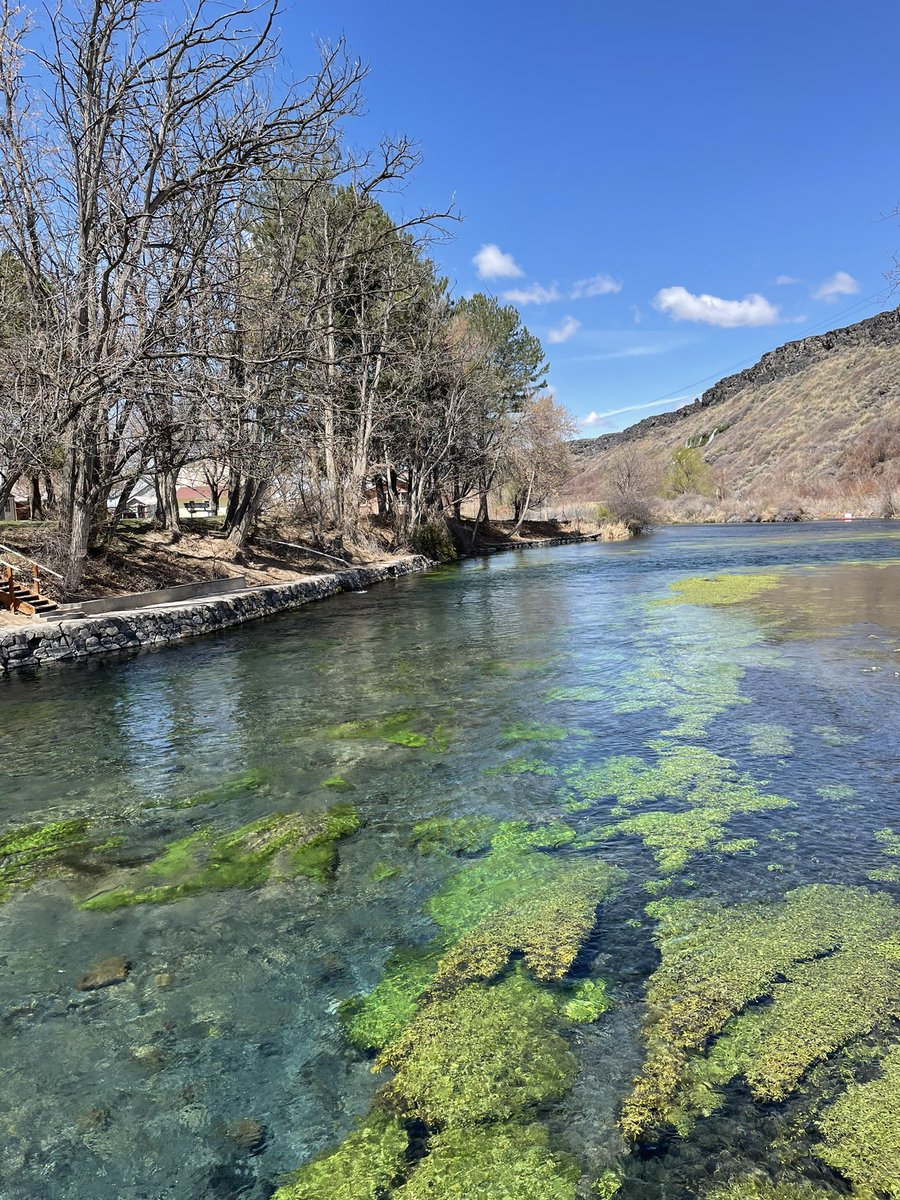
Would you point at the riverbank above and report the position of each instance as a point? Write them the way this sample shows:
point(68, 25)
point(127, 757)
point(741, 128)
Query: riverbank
point(36, 643)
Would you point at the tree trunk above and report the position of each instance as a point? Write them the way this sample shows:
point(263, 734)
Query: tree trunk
point(247, 515)
point(37, 503)
point(521, 515)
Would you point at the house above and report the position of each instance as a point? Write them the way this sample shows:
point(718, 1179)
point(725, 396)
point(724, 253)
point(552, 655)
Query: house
point(141, 501)
point(17, 507)
point(195, 500)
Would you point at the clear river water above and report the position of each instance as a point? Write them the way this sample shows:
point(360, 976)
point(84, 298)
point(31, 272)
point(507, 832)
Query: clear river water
point(578, 801)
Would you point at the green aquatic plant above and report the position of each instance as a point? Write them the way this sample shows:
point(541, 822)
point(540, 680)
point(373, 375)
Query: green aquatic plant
point(393, 728)
point(373, 1020)
point(337, 783)
point(826, 962)
point(277, 846)
point(33, 851)
point(720, 589)
point(382, 871)
point(836, 792)
point(469, 835)
point(255, 780)
point(832, 736)
point(363, 1167)
point(534, 733)
point(483, 1053)
point(584, 694)
point(890, 842)
point(770, 740)
point(861, 1132)
point(546, 927)
point(705, 786)
point(521, 766)
point(588, 1002)
point(510, 1162)
point(752, 1187)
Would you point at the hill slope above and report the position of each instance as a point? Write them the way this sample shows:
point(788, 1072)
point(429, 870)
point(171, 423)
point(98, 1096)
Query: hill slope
point(815, 423)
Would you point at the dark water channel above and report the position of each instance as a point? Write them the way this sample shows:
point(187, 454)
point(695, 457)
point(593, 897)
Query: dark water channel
point(502, 689)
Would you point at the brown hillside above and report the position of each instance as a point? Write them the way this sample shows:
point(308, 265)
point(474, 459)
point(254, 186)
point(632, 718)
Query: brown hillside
point(815, 422)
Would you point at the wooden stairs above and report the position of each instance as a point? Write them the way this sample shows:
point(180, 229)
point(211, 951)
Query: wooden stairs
point(25, 598)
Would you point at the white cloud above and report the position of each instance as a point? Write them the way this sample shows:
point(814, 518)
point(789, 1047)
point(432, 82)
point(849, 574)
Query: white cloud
point(785, 280)
point(492, 263)
point(636, 314)
point(597, 285)
point(840, 284)
point(534, 293)
point(682, 305)
point(563, 332)
point(595, 418)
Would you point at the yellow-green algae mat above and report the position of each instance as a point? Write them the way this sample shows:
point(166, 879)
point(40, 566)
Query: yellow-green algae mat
point(474, 1027)
point(766, 992)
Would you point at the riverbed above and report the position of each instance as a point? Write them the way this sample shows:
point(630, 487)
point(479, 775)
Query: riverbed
point(259, 825)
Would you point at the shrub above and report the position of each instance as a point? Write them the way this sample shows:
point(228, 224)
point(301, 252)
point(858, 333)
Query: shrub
point(432, 538)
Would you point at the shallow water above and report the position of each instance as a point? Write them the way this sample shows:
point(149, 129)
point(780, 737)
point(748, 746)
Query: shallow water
point(230, 1009)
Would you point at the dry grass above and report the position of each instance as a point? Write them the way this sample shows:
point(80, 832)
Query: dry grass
point(788, 443)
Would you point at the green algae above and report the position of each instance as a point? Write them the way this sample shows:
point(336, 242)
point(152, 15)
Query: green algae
point(382, 871)
point(508, 1162)
point(363, 1167)
point(890, 842)
point(768, 739)
point(588, 1002)
point(835, 793)
point(584, 695)
point(523, 765)
point(706, 786)
point(235, 786)
point(720, 589)
point(832, 736)
point(534, 733)
point(484, 1053)
point(861, 1132)
point(469, 835)
point(751, 1187)
point(277, 846)
point(35, 851)
point(546, 927)
point(825, 961)
point(394, 728)
point(337, 783)
point(374, 1020)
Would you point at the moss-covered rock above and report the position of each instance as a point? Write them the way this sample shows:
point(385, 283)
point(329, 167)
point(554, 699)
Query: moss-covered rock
point(277, 846)
point(235, 786)
point(534, 733)
point(484, 1053)
point(363, 1167)
point(397, 729)
point(588, 1002)
point(508, 1162)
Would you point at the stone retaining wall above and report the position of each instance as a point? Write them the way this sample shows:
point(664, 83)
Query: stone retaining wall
point(62, 641)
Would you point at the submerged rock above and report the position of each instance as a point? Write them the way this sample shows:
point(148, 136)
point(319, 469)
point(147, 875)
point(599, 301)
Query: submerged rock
point(247, 1134)
point(104, 974)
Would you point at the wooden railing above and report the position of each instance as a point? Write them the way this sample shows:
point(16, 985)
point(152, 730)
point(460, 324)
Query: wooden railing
point(30, 571)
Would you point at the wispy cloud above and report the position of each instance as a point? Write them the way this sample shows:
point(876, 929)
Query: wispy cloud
point(597, 285)
point(636, 314)
point(682, 305)
point(602, 418)
point(533, 293)
point(492, 263)
point(563, 332)
point(839, 284)
point(785, 280)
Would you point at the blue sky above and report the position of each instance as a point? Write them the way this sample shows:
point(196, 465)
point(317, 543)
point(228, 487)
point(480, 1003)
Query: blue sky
point(671, 190)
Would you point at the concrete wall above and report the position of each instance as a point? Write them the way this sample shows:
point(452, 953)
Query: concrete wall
point(171, 595)
point(62, 641)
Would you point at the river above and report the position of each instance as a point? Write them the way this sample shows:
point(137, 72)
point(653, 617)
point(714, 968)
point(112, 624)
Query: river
point(450, 756)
